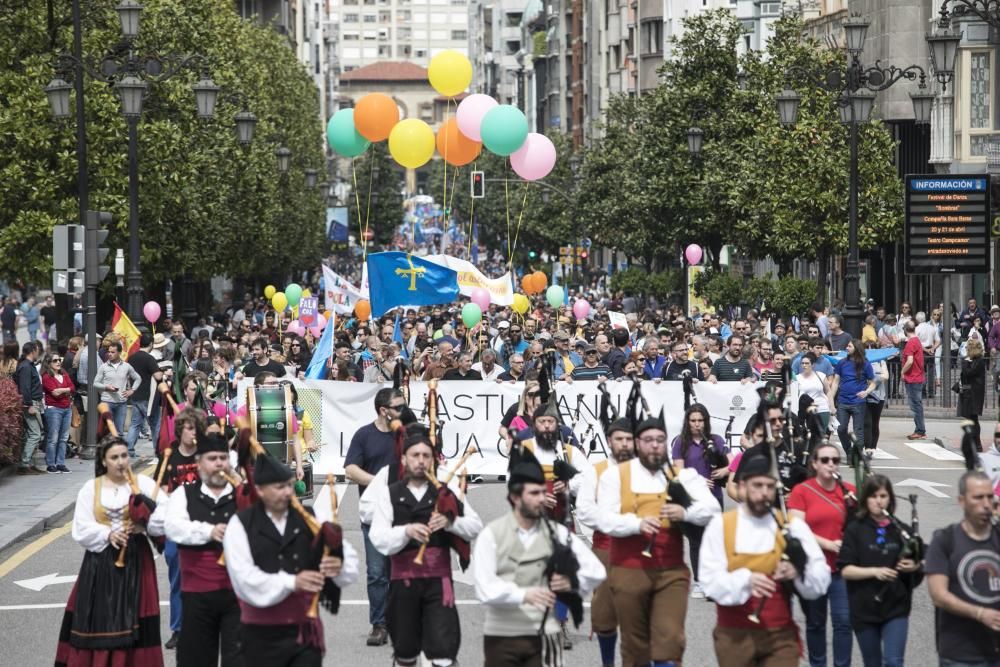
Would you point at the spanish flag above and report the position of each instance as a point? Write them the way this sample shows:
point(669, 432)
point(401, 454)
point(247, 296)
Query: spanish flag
point(123, 326)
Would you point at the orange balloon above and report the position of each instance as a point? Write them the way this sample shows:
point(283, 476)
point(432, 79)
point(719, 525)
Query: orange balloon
point(527, 283)
point(541, 281)
point(363, 309)
point(456, 148)
point(375, 115)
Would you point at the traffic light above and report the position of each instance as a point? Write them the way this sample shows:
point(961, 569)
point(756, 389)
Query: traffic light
point(97, 235)
point(583, 255)
point(532, 254)
point(478, 185)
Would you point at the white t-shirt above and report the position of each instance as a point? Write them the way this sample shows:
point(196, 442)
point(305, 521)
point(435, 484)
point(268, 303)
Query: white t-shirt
point(928, 334)
point(814, 387)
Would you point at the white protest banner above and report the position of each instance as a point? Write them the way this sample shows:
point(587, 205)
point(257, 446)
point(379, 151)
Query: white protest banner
point(472, 412)
point(469, 278)
point(618, 320)
point(340, 293)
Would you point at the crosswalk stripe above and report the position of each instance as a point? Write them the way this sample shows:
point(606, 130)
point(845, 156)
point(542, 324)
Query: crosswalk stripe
point(883, 455)
point(933, 451)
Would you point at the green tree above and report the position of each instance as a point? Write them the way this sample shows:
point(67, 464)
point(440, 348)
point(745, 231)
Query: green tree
point(793, 296)
point(719, 289)
point(207, 206)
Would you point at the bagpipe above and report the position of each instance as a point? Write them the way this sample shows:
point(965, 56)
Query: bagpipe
point(563, 562)
point(562, 470)
point(328, 540)
point(793, 551)
point(448, 504)
point(913, 545)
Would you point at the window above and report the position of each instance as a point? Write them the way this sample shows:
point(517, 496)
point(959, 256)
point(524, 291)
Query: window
point(351, 37)
point(350, 2)
point(370, 18)
point(459, 34)
point(420, 53)
point(979, 91)
point(652, 37)
point(350, 18)
point(770, 9)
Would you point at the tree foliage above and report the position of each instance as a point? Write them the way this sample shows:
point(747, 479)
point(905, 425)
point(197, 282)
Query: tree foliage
point(792, 296)
point(206, 205)
point(378, 194)
point(719, 289)
point(639, 282)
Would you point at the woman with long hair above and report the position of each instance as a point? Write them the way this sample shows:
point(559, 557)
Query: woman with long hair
point(113, 613)
point(823, 502)
point(972, 385)
point(518, 416)
point(203, 357)
point(8, 359)
point(853, 382)
point(815, 385)
point(879, 583)
point(708, 454)
point(57, 388)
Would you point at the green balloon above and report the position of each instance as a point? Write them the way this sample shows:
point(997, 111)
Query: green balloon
point(472, 314)
point(294, 294)
point(343, 137)
point(437, 334)
point(555, 296)
point(504, 129)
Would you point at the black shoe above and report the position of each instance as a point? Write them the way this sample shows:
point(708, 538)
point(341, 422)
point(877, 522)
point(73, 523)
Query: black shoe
point(379, 636)
point(566, 641)
point(172, 642)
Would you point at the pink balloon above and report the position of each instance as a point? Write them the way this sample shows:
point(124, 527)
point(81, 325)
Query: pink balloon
point(470, 114)
point(693, 254)
point(534, 159)
point(481, 297)
point(581, 309)
point(317, 329)
point(151, 311)
point(296, 328)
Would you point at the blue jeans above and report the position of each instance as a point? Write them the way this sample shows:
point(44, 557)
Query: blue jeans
point(916, 403)
point(378, 580)
point(118, 411)
point(815, 611)
point(57, 425)
point(174, 573)
point(883, 645)
point(138, 417)
point(846, 411)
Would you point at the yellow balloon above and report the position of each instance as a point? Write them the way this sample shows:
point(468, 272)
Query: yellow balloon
point(269, 291)
point(279, 301)
point(450, 73)
point(521, 304)
point(411, 143)
point(307, 292)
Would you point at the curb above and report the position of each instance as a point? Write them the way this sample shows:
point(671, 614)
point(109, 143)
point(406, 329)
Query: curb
point(54, 513)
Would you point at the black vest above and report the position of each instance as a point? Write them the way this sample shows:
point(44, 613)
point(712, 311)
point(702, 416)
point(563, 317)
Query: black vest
point(407, 509)
point(273, 552)
point(206, 509)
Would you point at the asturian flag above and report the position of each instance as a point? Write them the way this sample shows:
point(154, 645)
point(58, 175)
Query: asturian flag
point(401, 279)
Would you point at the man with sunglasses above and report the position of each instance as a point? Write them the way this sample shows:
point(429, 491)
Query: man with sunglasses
point(515, 344)
point(372, 449)
point(790, 469)
point(592, 368)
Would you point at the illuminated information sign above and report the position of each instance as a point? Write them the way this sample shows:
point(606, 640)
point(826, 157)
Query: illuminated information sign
point(948, 224)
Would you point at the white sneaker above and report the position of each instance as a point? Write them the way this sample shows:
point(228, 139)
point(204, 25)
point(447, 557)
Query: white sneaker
point(696, 592)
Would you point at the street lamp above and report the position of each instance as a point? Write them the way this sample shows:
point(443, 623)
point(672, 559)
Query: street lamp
point(246, 123)
point(128, 16)
point(284, 156)
point(944, 44)
point(131, 90)
point(695, 136)
point(58, 93)
point(855, 101)
point(205, 95)
point(311, 176)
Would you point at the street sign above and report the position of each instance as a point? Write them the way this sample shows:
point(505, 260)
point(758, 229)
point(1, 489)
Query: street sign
point(67, 282)
point(586, 243)
point(67, 247)
point(947, 224)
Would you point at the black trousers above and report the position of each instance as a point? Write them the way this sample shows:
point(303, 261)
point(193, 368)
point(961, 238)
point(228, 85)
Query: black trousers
point(873, 415)
point(419, 622)
point(208, 618)
point(276, 646)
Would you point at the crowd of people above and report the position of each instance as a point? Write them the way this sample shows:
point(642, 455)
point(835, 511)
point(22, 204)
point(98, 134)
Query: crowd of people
point(798, 530)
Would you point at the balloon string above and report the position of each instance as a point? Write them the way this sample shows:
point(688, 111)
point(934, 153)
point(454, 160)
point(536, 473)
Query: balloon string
point(520, 216)
point(368, 202)
point(357, 199)
point(451, 200)
point(444, 163)
point(506, 197)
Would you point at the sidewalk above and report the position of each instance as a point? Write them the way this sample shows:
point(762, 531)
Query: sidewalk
point(32, 504)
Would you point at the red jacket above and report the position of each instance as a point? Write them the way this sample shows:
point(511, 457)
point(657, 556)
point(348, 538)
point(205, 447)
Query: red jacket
point(50, 383)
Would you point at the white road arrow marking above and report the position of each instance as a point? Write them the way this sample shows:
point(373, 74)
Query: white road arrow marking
point(924, 485)
point(38, 583)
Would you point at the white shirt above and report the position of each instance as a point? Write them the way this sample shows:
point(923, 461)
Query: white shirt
point(548, 457)
point(814, 387)
point(492, 375)
point(262, 589)
point(491, 589)
point(92, 535)
point(755, 535)
point(990, 461)
point(366, 503)
point(178, 524)
point(586, 499)
point(389, 539)
point(612, 521)
point(928, 334)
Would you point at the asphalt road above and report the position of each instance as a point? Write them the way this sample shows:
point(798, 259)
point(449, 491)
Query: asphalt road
point(30, 619)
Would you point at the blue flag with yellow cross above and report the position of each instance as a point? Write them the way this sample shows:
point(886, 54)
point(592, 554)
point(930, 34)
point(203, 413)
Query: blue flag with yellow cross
point(401, 279)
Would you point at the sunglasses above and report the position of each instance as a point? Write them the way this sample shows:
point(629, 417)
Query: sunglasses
point(296, 345)
point(57, 360)
point(829, 459)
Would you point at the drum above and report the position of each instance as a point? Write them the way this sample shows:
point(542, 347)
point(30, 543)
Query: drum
point(270, 410)
point(307, 479)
